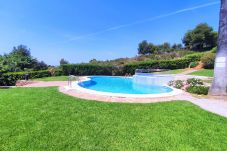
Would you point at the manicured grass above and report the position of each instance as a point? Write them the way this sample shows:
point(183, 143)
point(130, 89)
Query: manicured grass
point(44, 119)
point(204, 72)
point(177, 71)
point(57, 78)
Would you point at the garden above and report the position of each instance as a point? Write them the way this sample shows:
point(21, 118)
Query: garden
point(45, 119)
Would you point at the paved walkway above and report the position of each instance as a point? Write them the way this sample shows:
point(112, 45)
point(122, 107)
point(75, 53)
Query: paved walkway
point(214, 105)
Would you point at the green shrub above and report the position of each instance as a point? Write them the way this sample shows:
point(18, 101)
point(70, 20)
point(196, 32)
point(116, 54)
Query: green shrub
point(157, 64)
point(214, 50)
point(88, 69)
point(208, 60)
point(194, 64)
point(176, 84)
point(10, 79)
point(194, 82)
point(194, 57)
point(198, 90)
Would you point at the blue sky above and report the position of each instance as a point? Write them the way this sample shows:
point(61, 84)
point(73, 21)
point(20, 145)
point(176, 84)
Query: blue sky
point(79, 30)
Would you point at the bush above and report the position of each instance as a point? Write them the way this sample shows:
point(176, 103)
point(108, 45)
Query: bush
point(10, 79)
point(198, 90)
point(89, 69)
point(214, 50)
point(176, 84)
point(194, 82)
point(194, 57)
point(208, 60)
point(157, 64)
point(194, 64)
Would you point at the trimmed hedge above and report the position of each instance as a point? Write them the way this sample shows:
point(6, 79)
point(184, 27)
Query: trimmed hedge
point(208, 60)
point(198, 90)
point(194, 57)
point(10, 79)
point(156, 64)
point(90, 69)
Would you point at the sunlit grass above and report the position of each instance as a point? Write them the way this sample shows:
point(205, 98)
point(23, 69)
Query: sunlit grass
point(204, 72)
point(44, 119)
point(57, 78)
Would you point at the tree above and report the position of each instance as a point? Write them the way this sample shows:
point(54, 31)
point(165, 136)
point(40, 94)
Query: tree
point(143, 48)
point(165, 47)
point(219, 85)
point(201, 38)
point(177, 46)
point(63, 61)
point(93, 61)
point(146, 48)
point(20, 59)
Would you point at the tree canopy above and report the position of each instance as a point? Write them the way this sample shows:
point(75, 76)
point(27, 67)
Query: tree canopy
point(202, 38)
point(20, 59)
point(146, 48)
point(63, 61)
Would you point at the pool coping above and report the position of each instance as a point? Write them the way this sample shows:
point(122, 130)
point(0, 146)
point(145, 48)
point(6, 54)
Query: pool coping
point(75, 86)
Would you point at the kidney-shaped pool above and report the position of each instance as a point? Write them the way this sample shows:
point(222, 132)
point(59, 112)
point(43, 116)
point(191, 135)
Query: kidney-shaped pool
point(121, 85)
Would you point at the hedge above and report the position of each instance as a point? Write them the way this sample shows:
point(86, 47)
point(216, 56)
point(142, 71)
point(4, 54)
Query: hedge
point(90, 69)
point(156, 64)
point(10, 79)
point(194, 57)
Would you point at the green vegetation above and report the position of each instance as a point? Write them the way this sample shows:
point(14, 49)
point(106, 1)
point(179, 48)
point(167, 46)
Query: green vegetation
point(198, 89)
point(208, 81)
point(204, 72)
point(146, 48)
point(208, 60)
point(157, 64)
point(87, 69)
point(10, 79)
point(193, 85)
point(176, 71)
point(151, 56)
point(43, 119)
point(202, 38)
point(56, 78)
point(20, 59)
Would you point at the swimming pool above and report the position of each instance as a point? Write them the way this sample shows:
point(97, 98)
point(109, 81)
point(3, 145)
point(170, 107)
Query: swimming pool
point(121, 85)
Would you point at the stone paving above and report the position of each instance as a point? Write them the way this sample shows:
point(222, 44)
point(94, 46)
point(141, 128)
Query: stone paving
point(214, 105)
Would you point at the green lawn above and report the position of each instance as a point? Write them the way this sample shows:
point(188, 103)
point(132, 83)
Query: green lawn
point(44, 119)
point(177, 71)
point(204, 72)
point(57, 78)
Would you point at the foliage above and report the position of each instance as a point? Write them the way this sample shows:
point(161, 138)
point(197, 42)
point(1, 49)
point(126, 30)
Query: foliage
point(214, 50)
point(20, 59)
point(201, 38)
point(146, 48)
point(194, 64)
point(63, 61)
point(123, 61)
point(87, 69)
point(157, 64)
point(176, 84)
point(194, 57)
point(194, 82)
point(198, 89)
point(192, 85)
point(208, 60)
point(44, 119)
point(10, 79)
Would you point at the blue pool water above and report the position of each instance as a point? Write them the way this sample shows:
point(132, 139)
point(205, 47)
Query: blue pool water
point(121, 85)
